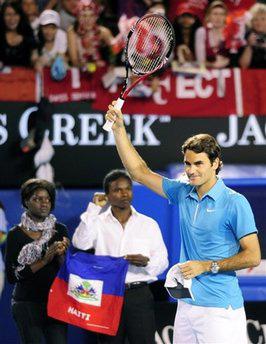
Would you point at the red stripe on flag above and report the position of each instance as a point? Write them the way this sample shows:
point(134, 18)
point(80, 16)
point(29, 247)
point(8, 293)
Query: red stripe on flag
point(104, 319)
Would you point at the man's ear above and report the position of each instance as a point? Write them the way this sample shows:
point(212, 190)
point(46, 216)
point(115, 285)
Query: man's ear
point(216, 163)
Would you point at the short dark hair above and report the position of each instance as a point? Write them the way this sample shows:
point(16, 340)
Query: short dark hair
point(31, 185)
point(114, 175)
point(204, 143)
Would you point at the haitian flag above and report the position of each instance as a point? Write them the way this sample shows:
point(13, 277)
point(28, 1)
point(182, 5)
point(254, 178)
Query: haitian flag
point(89, 291)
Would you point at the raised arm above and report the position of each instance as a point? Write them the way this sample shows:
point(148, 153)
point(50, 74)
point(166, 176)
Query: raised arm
point(135, 165)
point(85, 234)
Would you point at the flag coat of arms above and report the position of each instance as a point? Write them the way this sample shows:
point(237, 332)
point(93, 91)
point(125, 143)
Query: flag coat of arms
point(89, 291)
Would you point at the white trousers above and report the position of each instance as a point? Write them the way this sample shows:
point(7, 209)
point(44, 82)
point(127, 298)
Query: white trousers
point(209, 325)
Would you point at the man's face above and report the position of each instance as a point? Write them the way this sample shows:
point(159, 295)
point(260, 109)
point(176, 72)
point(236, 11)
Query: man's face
point(120, 193)
point(29, 7)
point(199, 168)
point(70, 6)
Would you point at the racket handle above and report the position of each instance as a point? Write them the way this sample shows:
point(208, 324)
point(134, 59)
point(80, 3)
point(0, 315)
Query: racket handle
point(108, 124)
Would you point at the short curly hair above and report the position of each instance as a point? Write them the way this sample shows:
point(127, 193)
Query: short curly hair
point(204, 143)
point(114, 175)
point(31, 185)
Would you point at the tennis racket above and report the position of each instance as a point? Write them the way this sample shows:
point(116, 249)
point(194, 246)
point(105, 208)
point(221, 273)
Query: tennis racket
point(149, 44)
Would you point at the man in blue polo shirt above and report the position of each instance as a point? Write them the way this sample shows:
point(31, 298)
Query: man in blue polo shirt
point(218, 236)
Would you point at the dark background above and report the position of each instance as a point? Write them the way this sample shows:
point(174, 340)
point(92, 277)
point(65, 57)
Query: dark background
point(84, 166)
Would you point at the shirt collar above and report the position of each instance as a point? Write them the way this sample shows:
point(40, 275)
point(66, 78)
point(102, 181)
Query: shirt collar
point(214, 192)
point(193, 193)
point(108, 212)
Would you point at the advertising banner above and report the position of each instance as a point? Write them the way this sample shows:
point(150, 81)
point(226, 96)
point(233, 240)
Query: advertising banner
point(18, 84)
point(214, 93)
point(84, 152)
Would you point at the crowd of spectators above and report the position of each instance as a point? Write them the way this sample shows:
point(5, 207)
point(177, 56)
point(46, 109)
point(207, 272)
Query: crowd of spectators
point(91, 33)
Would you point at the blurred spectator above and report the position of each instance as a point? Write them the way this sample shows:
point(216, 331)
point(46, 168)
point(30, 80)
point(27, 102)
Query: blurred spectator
point(236, 27)
point(31, 11)
point(68, 13)
point(52, 40)
point(254, 54)
point(132, 8)
point(210, 45)
point(239, 5)
point(17, 43)
point(198, 7)
point(3, 230)
point(124, 26)
point(47, 5)
point(89, 43)
point(185, 25)
point(157, 6)
point(108, 17)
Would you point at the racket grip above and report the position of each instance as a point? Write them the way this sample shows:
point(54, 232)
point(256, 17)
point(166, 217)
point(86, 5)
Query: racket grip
point(108, 124)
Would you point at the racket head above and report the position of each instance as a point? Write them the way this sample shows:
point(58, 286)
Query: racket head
point(150, 42)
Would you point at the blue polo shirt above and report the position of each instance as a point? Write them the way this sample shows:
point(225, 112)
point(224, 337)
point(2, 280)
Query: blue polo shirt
point(210, 229)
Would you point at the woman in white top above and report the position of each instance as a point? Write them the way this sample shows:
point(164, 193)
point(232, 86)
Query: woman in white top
point(53, 40)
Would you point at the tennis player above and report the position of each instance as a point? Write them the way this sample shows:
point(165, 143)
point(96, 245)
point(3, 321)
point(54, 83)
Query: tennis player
point(218, 236)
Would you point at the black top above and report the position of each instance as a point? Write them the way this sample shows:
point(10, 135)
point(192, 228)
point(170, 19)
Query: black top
point(18, 55)
point(258, 57)
point(31, 286)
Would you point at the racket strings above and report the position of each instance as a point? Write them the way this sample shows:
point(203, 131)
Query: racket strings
point(149, 44)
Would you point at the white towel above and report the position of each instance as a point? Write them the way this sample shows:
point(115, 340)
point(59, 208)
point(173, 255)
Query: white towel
point(176, 285)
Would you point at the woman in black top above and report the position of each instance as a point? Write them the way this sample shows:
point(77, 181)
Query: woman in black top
point(254, 53)
point(35, 250)
point(17, 42)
